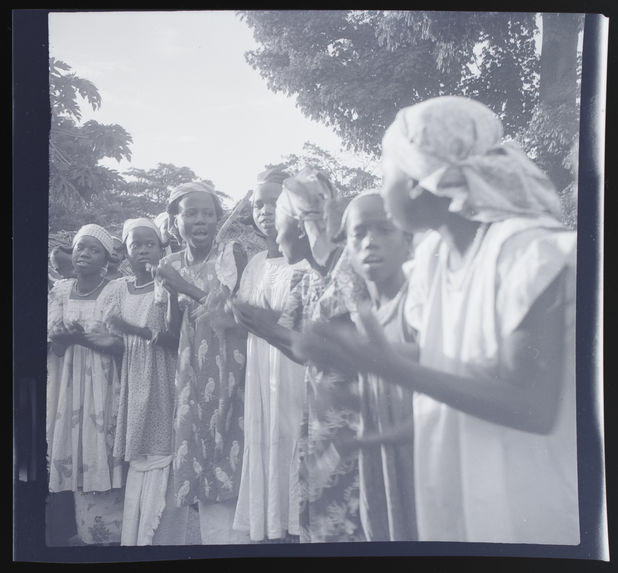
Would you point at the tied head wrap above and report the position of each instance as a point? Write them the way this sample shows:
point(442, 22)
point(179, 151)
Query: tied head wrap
point(98, 233)
point(274, 175)
point(185, 188)
point(308, 198)
point(452, 147)
point(131, 224)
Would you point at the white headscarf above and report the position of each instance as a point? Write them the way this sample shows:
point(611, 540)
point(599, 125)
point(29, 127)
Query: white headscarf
point(458, 136)
point(98, 233)
point(308, 198)
point(131, 224)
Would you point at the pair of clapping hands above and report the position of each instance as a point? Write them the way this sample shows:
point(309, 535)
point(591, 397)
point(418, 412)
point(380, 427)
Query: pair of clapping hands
point(74, 332)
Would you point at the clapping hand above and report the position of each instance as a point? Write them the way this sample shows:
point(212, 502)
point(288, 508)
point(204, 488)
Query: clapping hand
point(340, 347)
point(259, 321)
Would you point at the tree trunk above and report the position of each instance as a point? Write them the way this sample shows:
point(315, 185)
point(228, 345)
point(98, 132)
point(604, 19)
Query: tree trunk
point(558, 88)
point(558, 82)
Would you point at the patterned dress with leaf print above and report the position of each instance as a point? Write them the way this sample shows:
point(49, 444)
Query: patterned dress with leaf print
point(210, 373)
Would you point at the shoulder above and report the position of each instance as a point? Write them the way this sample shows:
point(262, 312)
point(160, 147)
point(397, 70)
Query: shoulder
point(61, 290)
point(535, 248)
point(257, 260)
point(173, 259)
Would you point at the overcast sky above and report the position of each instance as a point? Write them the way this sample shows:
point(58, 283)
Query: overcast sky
point(179, 84)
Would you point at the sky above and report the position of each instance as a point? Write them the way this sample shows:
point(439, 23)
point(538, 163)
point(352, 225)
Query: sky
point(178, 82)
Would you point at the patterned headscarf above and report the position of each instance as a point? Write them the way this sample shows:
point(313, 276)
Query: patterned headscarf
point(457, 139)
point(131, 224)
point(308, 198)
point(98, 233)
point(273, 175)
point(185, 188)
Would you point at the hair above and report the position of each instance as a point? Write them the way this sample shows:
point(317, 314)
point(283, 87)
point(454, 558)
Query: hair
point(172, 208)
point(342, 233)
point(273, 175)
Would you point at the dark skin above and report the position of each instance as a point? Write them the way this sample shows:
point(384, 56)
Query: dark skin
point(524, 394)
point(89, 258)
point(294, 244)
point(377, 251)
point(143, 251)
point(196, 222)
point(263, 209)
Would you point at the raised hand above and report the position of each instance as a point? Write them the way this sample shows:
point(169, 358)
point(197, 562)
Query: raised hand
point(255, 319)
point(342, 348)
point(169, 277)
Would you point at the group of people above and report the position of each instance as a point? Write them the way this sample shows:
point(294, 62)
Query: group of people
point(398, 370)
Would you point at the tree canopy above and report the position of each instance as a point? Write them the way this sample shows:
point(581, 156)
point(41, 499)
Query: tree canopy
point(348, 180)
point(354, 69)
point(76, 175)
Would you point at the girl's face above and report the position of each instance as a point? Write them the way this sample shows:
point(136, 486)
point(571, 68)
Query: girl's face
point(196, 220)
point(377, 247)
point(143, 248)
point(411, 208)
point(89, 257)
point(117, 255)
point(264, 201)
point(292, 241)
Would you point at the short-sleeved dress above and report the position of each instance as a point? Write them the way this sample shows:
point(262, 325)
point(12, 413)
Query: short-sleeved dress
point(209, 382)
point(83, 391)
point(478, 481)
point(274, 394)
point(144, 432)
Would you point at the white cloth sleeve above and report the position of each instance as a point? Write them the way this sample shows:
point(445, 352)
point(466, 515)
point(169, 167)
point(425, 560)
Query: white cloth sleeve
point(527, 265)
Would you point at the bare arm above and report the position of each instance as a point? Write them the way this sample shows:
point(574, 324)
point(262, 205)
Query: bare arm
point(523, 395)
point(263, 323)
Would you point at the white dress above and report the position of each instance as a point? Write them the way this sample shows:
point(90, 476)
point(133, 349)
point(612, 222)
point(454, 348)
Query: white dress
point(268, 502)
point(83, 391)
point(478, 481)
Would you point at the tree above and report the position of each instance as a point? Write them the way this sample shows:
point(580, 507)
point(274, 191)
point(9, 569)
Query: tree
point(156, 183)
point(353, 70)
point(348, 180)
point(75, 150)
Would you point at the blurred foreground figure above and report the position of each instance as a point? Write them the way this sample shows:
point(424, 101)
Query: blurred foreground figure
point(492, 298)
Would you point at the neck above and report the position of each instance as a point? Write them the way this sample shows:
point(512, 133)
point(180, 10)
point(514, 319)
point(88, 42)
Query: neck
point(197, 255)
point(142, 277)
point(458, 233)
point(272, 248)
point(322, 269)
point(384, 291)
point(88, 282)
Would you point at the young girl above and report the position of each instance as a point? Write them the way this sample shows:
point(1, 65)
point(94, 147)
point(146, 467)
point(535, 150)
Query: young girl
point(210, 372)
point(83, 391)
point(377, 250)
point(491, 295)
point(117, 266)
point(305, 221)
point(144, 433)
point(267, 505)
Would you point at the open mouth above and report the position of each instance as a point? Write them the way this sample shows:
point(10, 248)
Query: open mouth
point(372, 260)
